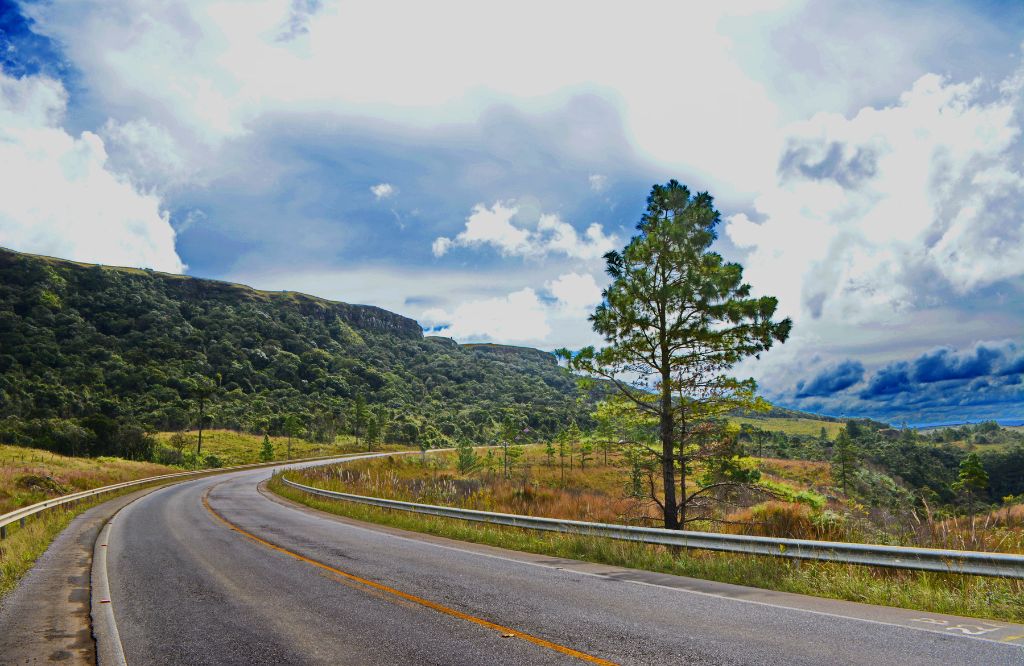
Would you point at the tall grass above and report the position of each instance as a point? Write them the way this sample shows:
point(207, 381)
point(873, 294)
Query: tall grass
point(28, 475)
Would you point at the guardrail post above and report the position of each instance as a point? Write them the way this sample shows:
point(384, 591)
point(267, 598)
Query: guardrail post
point(3, 532)
point(21, 522)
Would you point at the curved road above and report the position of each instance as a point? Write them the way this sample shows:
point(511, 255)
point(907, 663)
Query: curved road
point(215, 571)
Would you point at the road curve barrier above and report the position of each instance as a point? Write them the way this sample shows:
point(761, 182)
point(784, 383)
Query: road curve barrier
point(19, 515)
point(1003, 565)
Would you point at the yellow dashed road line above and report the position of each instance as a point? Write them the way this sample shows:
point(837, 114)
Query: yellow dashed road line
point(504, 631)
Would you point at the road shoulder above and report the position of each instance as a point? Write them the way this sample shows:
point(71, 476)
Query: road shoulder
point(46, 618)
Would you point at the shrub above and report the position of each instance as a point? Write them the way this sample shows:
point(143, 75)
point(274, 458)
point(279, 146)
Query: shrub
point(776, 519)
point(165, 455)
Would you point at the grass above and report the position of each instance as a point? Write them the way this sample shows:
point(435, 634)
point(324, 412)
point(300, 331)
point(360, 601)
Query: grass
point(239, 448)
point(594, 493)
point(28, 475)
point(972, 596)
point(791, 426)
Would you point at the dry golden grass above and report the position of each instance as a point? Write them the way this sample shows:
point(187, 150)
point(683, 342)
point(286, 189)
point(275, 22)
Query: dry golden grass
point(803, 473)
point(1001, 531)
point(594, 493)
point(28, 475)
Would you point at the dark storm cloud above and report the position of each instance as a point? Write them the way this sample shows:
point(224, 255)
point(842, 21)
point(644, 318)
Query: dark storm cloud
point(832, 379)
point(890, 380)
point(945, 363)
point(985, 381)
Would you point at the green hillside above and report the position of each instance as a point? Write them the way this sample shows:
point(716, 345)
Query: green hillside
point(94, 357)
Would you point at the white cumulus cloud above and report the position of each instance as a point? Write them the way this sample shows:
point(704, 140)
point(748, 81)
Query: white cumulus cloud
point(147, 152)
point(518, 317)
point(576, 294)
point(383, 190)
point(873, 213)
point(59, 198)
point(493, 226)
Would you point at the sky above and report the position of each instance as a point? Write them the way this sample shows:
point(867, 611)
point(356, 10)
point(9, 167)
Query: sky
point(467, 164)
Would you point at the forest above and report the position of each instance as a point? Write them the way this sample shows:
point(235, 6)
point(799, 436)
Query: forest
point(93, 359)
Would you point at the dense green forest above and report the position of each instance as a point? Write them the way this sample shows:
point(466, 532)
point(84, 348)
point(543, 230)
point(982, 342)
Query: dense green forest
point(93, 358)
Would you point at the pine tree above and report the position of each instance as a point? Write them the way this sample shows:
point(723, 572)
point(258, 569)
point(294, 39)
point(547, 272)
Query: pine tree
point(267, 450)
point(843, 459)
point(292, 428)
point(971, 481)
point(586, 449)
point(467, 461)
point(678, 317)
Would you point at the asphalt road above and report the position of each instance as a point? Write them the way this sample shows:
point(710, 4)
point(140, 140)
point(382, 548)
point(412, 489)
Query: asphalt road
point(214, 571)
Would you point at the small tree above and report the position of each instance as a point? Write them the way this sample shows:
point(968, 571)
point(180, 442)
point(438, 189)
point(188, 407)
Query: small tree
point(637, 458)
point(372, 433)
point(511, 432)
point(292, 428)
point(572, 439)
point(549, 452)
point(424, 445)
point(971, 481)
point(512, 456)
point(563, 452)
point(358, 416)
point(178, 441)
point(430, 438)
point(202, 389)
point(586, 451)
point(267, 450)
point(490, 462)
point(466, 459)
point(843, 459)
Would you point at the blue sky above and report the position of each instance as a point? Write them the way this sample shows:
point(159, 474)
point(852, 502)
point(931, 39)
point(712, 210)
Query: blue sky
point(466, 164)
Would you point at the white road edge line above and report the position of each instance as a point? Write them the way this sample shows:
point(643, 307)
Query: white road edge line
point(104, 626)
point(682, 590)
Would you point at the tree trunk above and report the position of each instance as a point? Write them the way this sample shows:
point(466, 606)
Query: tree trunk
point(202, 415)
point(667, 453)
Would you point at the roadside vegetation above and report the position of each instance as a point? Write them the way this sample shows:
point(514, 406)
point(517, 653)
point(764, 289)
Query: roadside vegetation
point(590, 494)
point(29, 475)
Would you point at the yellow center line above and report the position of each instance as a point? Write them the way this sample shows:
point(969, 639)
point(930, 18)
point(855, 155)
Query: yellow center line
point(505, 631)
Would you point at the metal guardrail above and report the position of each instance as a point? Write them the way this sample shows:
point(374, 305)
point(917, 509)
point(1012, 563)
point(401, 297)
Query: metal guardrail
point(19, 515)
point(1003, 565)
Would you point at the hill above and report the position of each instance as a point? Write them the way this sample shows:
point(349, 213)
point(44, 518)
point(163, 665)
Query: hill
point(93, 357)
